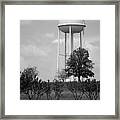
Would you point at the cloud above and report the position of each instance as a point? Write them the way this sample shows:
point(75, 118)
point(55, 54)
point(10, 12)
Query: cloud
point(49, 35)
point(56, 41)
point(22, 62)
point(32, 50)
point(92, 44)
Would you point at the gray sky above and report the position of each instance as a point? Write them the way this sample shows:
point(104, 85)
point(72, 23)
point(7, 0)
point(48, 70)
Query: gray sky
point(38, 45)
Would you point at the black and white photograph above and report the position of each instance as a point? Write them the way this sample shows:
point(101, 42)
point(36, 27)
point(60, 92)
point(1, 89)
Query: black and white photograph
point(60, 55)
point(60, 60)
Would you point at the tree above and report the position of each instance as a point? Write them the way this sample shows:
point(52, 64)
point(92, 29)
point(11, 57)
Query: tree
point(79, 65)
point(29, 80)
point(58, 89)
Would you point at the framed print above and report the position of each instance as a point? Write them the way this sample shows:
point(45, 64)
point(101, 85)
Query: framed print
point(60, 60)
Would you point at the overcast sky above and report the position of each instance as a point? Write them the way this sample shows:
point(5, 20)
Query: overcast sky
point(38, 45)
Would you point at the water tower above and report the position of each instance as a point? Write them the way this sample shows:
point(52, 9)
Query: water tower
point(68, 28)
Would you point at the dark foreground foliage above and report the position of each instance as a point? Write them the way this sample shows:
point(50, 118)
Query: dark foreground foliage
point(85, 90)
point(33, 88)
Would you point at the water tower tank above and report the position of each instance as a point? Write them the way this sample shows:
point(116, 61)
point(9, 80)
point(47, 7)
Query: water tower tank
point(76, 25)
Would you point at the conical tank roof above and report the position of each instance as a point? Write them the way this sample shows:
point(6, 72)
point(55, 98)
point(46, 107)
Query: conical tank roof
point(76, 25)
point(70, 21)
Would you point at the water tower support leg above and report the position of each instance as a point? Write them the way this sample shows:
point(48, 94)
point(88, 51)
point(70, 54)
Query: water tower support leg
point(72, 42)
point(58, 50)
point(80, 40)
point(71, 37)
point(65, 48)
